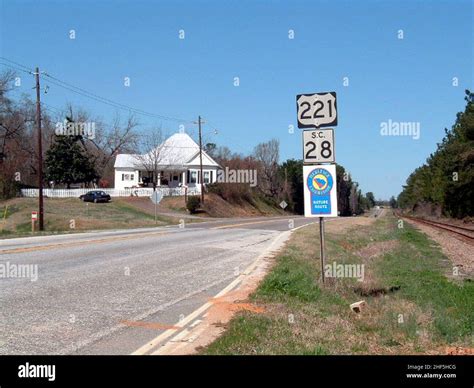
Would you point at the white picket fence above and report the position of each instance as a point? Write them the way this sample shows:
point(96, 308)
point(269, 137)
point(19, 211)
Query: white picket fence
point(140, 192)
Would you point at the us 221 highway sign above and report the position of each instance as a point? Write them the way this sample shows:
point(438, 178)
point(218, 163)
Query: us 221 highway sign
point(318, 146)
point(320, 196)
point(316, 110)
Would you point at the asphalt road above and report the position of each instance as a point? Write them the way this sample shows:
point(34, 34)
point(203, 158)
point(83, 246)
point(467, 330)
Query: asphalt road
point(111, 292)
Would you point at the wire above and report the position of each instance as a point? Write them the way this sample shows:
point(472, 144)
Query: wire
point(107, 101)
point(16, 68)
point(18, 64)
point(78, 90)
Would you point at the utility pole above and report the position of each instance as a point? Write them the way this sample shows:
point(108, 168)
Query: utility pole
point(40, 151)
point(200, 160)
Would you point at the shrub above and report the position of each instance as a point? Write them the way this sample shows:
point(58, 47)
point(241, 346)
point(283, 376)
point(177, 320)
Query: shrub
point(193, 204)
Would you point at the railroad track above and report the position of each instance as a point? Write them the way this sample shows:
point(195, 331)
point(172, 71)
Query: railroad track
point(467, 234)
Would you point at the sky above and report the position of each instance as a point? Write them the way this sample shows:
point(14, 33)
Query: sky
point(404, 61)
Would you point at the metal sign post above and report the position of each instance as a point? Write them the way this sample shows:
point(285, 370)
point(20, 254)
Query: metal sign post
point(156, 197)
point(314, 111)
point(321, 244)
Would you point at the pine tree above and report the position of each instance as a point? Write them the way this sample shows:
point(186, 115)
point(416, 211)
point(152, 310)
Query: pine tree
point(67, 162)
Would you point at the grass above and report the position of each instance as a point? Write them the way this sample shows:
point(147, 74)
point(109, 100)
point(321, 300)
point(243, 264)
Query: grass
point(419, 269)
point(68, 215)
point(428, 312)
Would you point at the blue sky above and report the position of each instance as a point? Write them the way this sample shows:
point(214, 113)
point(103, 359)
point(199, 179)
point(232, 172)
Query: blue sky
point(409, 79)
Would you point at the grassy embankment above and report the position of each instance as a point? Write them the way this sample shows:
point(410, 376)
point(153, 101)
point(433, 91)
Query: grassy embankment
point(60, 212)
point(413, 304)
point(130, 212)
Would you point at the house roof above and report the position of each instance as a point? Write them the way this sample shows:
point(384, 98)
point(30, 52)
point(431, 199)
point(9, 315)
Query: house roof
point(179, 150)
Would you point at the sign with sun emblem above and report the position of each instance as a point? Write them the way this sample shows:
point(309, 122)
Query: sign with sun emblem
point(320, 196)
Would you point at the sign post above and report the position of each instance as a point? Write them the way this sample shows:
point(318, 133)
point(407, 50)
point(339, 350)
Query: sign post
point(34, 217)
point(319, 169)
point(321, 246)
point(156, 197)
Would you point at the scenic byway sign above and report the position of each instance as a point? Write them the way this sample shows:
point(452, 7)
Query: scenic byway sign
point(316, 110)
point(318, 146)
point(320, 196)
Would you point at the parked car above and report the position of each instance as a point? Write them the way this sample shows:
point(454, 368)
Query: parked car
point(95, 196)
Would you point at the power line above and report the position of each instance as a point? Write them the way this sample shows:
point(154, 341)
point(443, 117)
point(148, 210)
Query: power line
point(83, 92)
point(16, 68)
point(18, 64)
point(78, 90)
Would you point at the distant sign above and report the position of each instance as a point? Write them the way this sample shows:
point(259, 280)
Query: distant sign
point(320, 195)
point(318, 146)
point(316, 110)
point(156, 197)
point(34, 215)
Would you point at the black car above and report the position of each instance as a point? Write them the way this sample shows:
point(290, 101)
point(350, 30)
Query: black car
point(95, 196)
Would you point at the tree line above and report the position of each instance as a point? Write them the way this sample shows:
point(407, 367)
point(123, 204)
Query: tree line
point(88, 161)
point(444, 185)
point(76, 159)
point(278, 182)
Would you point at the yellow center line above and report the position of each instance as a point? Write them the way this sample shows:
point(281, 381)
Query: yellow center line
point(247, 223)
point(77, 243)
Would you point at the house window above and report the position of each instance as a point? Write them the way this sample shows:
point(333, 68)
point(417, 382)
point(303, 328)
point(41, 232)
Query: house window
point(127, 177)
point(193, 177)
point(207, 177)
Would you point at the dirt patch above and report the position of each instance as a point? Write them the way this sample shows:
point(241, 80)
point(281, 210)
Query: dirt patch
point(457, 351)
point(342, 224)
point(377, 249)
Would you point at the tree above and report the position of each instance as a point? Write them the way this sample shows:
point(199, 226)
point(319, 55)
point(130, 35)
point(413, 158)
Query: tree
point(267, 155)
point(67, 162)
point(210, 149)
point(445, 183)
point(370, 199)
point(151, 158)
point(344, 188)
point(291, 174)
point(18, 139)
point(393, 202)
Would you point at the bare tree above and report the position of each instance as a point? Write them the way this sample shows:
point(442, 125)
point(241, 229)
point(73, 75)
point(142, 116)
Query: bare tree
point(120, 137)
point(151, 158)
point(268, 154)
point(108, 140)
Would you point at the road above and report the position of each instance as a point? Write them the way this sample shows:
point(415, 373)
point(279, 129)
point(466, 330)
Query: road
point(112, 292)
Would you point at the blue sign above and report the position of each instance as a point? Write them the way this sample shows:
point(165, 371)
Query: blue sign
point(320, 183)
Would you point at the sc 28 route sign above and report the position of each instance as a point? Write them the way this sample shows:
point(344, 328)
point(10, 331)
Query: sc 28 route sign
point(318, 146)
point(316, 110)
point(320, 195)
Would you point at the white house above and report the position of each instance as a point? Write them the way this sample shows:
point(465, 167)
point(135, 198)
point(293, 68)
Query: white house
point(178, 164)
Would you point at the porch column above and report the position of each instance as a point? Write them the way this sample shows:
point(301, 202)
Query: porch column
point(158, 183)
point(183, 179)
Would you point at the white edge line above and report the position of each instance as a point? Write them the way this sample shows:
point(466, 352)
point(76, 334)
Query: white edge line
point(151, 345)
